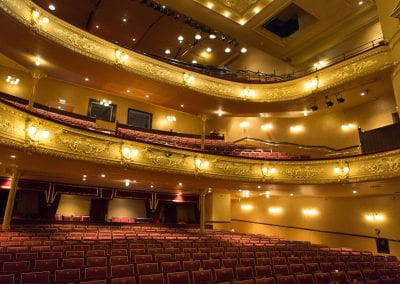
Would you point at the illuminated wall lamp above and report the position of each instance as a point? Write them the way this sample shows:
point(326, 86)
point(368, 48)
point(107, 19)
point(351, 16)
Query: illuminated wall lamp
point(245, 194)
point(313, 84)
point(275, 210)
point(266, 127)
point(121, 57)
point(374, 217)
point(297, 128)
point(188, 79)
point(244, 124)
point(171, 118)
point(310, 212)
point(36, 135)
point(246, 207)
point(129, 153)
point(268, 172)
point(341, 170)
point(39, 20)
point(320, 64)
point(348, 126)
point(248, 93)
point(201, 165)
point(12, 80)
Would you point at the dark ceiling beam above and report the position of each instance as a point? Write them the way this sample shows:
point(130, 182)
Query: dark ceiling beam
point(138, 42)
point(92, 14)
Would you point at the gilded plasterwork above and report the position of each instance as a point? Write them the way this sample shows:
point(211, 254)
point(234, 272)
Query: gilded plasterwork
point(89, 45)
point(240, 6)
point(72, 143)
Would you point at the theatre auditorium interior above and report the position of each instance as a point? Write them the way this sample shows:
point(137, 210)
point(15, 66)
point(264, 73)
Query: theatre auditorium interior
point(200, 141)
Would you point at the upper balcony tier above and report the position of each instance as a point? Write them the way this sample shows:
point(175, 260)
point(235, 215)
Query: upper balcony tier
point(87, 53)
point(25, 130)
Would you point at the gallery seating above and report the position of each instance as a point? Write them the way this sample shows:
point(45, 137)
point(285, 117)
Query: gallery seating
point(73, 252)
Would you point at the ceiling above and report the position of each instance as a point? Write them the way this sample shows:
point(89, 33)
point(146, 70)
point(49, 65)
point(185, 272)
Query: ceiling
point(135, 25)
point(50, 168)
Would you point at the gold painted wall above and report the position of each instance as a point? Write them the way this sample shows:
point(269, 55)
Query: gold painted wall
point(346, 215)
point(129, 208)
point(218, 210)
point(318, 128)
point(74, 205)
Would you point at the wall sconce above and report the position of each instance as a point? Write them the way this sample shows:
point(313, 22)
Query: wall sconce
point(248, 93)
point(266, 127)
point(121, 57)
point(268, 194)
point(374, 217)
point(313, 84)
point(244, 124)
point(171, 118)
point(245, 194)
point(246, 207)
point(348, 126)
point(12, 80)
point(201, 165)
point(129, 153)
point(275, 210)
point(36, 134)
point(268, 172)
point(296, 128)
point(188, 79)
point(310, 212)
point(105, 102)
point(38, 20)
point(342, 171)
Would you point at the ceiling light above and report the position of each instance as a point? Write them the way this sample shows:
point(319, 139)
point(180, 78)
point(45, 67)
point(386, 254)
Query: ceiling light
point(128, 91)
point(52, 7)
point(354, 191)
point(194, 61)
point(87, 79)
point(127, 182)
point(227, 14)
point(13, 156)
point(209, 49)
point(209, 190)
point(38, 61)
point(124, 20)
point(84, 176)
point(210, 5)
point(180, 38)
point(133, 39)
point(197, 36)
point(97, 26)
point(152, 186)
point(167, 51)
point(364, 93)
point(220, 112)
point(103, 175)
point(243, 50)
point(182, 105)
point(180, 184)
point(147, 96)
point(291, 194)
point(212, 36)
point(228, 50)
point(360, 3)
point(259, 186)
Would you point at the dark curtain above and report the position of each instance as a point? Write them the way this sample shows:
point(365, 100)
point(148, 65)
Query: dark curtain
point(48, 211)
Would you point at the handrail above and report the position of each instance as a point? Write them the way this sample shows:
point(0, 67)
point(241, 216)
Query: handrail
point(256, 77)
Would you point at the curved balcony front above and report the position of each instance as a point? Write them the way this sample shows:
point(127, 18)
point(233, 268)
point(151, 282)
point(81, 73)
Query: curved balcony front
point(22, 130)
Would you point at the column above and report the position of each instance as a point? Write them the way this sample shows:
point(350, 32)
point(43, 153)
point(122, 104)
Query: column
point(202, 201)
point(11, 199)
point(389, 17)
point(203, 131)
point(36, 76)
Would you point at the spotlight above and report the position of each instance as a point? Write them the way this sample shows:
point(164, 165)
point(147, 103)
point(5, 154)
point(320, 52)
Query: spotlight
point(328, 102)
point(340, 99)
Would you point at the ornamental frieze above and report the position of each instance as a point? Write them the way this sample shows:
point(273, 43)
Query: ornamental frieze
point(50, 138)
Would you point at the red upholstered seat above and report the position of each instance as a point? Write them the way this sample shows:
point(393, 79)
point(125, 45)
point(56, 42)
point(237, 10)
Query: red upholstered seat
point(178, 278)
point(35, 277)
point(147, 268)
point(16, 266)
point(119, 271)
point(119, 260)
point(162, 257)
point(326, 267)
point(340, 277)
point(67, 275)
point(322, 278)
point(151, 279)
point(123, 280)
point(7, 279)
point(191, 265)
point(287, 279)
point(305, 279)
point(96, 261)
point(280, 270)
point(229, 263)
point(69, 263)
point(243, 273)
point(170, 267)
point(224, 275)
point(312, 267)
point(96, 273)
point(182, 257)
point(297, 268)
point(370, 274)
point(247, 261)
point(46, 265)
point(269, 280)
point(202, 277)
point(211, 264)
point(143, 258)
